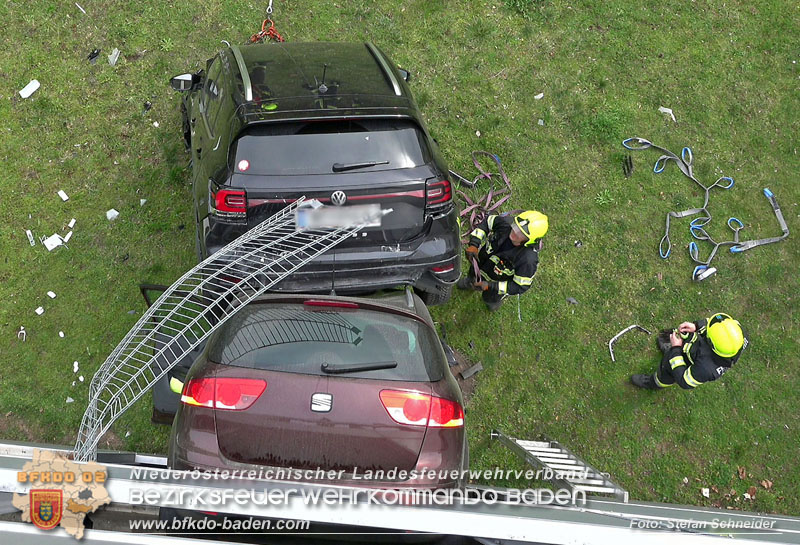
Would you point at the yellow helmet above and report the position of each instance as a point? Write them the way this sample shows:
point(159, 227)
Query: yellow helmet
point(533, 225)
point(725, 335)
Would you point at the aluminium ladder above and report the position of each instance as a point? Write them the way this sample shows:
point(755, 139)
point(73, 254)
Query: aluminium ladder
point(196, 305)
point(569, 471)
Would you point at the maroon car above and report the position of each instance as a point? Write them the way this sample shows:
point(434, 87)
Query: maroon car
point(360, 386)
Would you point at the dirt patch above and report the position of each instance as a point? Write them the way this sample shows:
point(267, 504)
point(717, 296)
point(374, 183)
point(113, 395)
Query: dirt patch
point(15, 426)
point(462, 365)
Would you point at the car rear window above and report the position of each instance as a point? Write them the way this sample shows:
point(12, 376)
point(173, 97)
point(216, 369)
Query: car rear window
point(297, 339)
point(286, 149)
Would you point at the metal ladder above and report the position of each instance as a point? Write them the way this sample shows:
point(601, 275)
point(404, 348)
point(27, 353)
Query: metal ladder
point(196, 305)
point(569, 471)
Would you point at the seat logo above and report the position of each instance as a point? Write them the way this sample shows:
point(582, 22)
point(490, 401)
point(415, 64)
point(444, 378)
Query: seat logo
point(321, 403)
point(338, 198)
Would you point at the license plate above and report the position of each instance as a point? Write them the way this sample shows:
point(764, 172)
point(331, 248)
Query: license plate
point(336, 217)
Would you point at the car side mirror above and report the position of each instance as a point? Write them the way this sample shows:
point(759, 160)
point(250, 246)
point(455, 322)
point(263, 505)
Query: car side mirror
point(184, 82)
point(405, 73)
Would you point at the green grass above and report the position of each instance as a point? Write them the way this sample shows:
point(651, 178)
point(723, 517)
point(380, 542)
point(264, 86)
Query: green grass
point(727, 71)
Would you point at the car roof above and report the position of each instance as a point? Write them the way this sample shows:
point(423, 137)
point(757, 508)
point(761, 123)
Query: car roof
point(319, 79)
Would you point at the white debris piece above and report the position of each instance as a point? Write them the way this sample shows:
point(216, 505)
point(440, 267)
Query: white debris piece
point(142, 201)
point(73, 383)
point(52, 242)
point(61, 334)
point(29, 89)
point(112, 214)
point(74, 366)
point(80, 378)
point(39, 311)
point(71, 223)
point(478, 134)
point(70, 400)
point(80, 8)
point(51, 294)
point(64, 196)
point(539, 96)
point(706, 493)
point(155, 124)
point(114, 57)
point(69, 236)
point(541, 122)
point(30, 237)
point(667, 111)
point(127, 434)
point(22, 334)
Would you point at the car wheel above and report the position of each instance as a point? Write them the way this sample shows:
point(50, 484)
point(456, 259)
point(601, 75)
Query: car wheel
point(431, 298)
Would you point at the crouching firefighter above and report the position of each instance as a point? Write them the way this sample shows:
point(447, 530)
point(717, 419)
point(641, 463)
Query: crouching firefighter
point(506, 250)
point(695, 353)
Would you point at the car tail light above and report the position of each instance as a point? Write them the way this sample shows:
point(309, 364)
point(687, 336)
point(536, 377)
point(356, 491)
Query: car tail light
point(416, 409)
point(438, 192)
point(443, 269)
point(231, 394)
point(228, 204)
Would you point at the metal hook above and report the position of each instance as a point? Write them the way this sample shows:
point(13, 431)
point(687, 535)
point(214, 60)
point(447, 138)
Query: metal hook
point(269, 9)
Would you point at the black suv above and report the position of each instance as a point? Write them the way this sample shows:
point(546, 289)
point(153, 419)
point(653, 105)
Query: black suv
point(336, 122)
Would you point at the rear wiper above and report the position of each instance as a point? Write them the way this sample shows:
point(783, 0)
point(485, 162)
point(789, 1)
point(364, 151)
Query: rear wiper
point(341, 369)
point(339, 167)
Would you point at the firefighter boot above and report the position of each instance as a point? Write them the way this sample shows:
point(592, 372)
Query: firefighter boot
point(644, 381)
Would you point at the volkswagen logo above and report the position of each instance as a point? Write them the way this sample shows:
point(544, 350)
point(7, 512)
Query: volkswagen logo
point(338, 198)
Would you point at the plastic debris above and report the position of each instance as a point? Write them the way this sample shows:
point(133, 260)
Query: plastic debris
point(80, 8)
point(541, 122)
point(114, 57)
point(667, 111)
point(39, 311)
point(71, 223)
point(52, 242)
point(93, 56)
point(69, 235)
point(127, 434)
point(74, 366)
point(30, 237)
point(578, 243)
point(112, 214)
point(705, 492)
point(22, 335)
point(539, 96)
point(70, 400)
point(155, 124)
point(29, 89)
point(80, 378)
point(51, 295)
point(147, 106)
point(64, 196)
point(572, 301)
point(142, 201)
point(73, 383)
point(61, 334)
point(131, 312)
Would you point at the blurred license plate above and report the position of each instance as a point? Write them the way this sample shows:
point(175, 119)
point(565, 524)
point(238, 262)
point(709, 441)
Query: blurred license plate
point(334, 217)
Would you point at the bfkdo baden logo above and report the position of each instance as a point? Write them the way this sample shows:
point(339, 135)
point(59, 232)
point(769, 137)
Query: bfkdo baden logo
point(47, 507)
point(54, 491)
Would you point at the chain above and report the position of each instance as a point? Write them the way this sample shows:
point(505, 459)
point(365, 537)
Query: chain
point(268, 31)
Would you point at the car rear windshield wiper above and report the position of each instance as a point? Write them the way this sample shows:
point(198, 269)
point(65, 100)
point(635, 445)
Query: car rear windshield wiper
point(339, 167)
point(341, 369)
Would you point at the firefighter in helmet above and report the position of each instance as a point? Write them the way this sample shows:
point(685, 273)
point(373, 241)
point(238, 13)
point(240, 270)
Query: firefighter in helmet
point(506, 250)
point(696, 352)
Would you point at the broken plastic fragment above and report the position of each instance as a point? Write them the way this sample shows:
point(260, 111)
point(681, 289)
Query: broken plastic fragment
point(29, 89)
point(61, 334)
point(572, 301)
point(51, 295)
point(114, 57)
point(69, 235)
point(80, 378)
point(112, 214)
point(142, 201)
point(155, 124)
point(705, 492)
point(127, 434)
point(80, 8)
point(63, 195)
point(541, 122)
point(70, 400)
point(22, 334)
point(74, 366)
point(93, 56)
point(71, 223)
point(52, 242)
point(668, 111)
point(39, 311)
point(30, 237)
point(539, 96)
